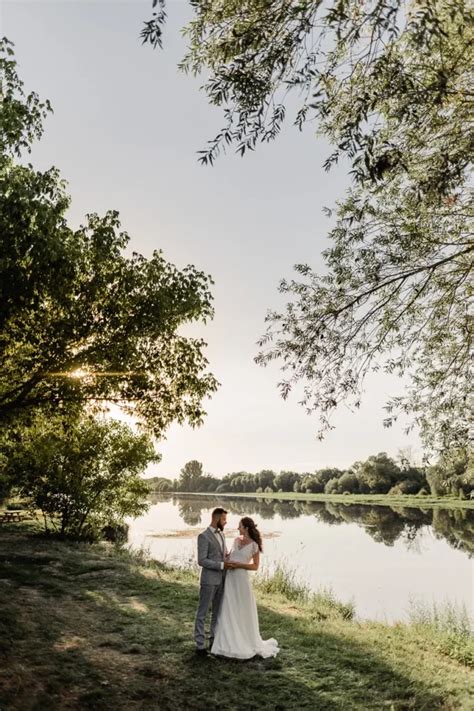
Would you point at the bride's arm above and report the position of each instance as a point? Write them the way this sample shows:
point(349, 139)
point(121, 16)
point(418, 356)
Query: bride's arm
point(249, 566)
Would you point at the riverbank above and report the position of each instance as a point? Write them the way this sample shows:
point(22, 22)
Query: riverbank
point(95, 627)
point(402, 500)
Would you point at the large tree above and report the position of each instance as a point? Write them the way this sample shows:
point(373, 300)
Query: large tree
point(190, 476)
point(81, 323)
point(389, 83)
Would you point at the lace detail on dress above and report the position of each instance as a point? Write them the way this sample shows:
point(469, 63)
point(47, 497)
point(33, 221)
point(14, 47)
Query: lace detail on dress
point(243, 552)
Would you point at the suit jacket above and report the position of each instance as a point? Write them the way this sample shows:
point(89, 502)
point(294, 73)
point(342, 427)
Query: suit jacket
point(210, 558)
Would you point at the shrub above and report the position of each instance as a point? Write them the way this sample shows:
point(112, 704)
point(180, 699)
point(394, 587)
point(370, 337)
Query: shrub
point(83, 474)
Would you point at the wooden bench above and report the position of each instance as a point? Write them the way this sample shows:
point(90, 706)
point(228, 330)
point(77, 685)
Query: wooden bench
point(11, 516)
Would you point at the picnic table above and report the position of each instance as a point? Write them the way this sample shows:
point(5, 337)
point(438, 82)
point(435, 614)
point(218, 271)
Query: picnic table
point(15, 515)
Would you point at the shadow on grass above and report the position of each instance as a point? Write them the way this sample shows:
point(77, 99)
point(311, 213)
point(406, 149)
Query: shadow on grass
point(84, 628)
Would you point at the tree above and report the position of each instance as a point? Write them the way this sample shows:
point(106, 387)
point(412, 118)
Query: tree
point(160, 484)
point(81, 473)
point(312, 484)
point(286, 480)
point(328, 473)
point(265, 478)
point(208, 483)
point(332, 486)
point(80, 322)
point(452, 474)
point(348, 482)
point(377, 474)
point(388, 83)
point(190, 476)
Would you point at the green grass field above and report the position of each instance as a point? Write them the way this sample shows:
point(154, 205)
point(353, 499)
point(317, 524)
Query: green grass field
point(94, 627)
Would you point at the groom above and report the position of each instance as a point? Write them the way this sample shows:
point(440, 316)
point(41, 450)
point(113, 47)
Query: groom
point(212, 555)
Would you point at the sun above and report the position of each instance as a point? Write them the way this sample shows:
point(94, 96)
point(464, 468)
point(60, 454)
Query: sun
point(78, 373)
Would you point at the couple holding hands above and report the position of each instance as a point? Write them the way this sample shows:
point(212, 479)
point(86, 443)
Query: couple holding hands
point(225, 587)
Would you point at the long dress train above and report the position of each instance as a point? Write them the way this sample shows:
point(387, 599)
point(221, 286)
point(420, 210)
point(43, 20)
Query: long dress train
point(237, 632)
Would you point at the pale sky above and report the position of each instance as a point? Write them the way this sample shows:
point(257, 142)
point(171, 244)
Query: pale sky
point(124, 133)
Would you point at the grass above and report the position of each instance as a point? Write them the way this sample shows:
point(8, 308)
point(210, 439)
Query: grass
point(282, 582)
point(406, 500)
point(96, 627)
point(448, 626)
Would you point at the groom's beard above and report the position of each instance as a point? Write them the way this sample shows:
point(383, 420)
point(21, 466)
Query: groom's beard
point(219, 526)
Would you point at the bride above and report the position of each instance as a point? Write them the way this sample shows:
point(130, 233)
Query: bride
point(237, 632)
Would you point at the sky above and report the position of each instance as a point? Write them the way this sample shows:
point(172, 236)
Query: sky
point(125, 133)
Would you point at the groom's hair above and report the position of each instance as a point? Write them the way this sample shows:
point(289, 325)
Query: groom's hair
point(218, 512)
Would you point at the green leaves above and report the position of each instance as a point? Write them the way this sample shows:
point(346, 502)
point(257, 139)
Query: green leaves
point(152, 32)
point(81, 323)
point(390, 86)
point(21, 116)
point(82, 474)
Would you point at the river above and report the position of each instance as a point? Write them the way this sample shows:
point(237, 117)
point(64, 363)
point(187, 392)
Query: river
point(381, 558)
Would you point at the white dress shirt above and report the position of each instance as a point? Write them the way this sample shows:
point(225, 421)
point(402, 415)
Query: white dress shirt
point(220, 537)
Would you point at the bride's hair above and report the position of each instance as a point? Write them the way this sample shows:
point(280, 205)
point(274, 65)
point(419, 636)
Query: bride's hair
point(254, 533)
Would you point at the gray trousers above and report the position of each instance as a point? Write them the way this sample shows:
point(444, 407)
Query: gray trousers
point(208, 595)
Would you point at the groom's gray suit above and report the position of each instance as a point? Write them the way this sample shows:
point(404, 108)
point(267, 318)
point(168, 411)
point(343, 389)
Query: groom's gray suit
point(211, 557)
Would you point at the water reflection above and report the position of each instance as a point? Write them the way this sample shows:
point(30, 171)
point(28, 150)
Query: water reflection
point(384, 524)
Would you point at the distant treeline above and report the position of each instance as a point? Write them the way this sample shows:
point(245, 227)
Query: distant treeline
point(379, 474)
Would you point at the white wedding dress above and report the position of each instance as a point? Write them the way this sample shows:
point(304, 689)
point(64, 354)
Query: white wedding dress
point(237, 631)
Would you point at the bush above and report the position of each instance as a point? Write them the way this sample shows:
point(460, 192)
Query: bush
point(117, 533)
point(83, 474)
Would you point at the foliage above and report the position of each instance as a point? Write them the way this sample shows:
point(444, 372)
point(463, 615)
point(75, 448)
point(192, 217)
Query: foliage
point(286, 480)
point(80, 322)
point(379, 474)
point(452, 474)
point(389, 84)
point(190, 475)
point(316, 483)
point(160, 484)
point(192, 478)
point(265, 478)
point(83, 474)
point(239, 482)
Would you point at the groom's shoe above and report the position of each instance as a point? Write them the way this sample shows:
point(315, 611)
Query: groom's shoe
point(201, 651)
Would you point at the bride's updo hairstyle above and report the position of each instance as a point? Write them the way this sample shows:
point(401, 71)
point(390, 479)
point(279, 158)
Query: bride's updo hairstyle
point(254, 533)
